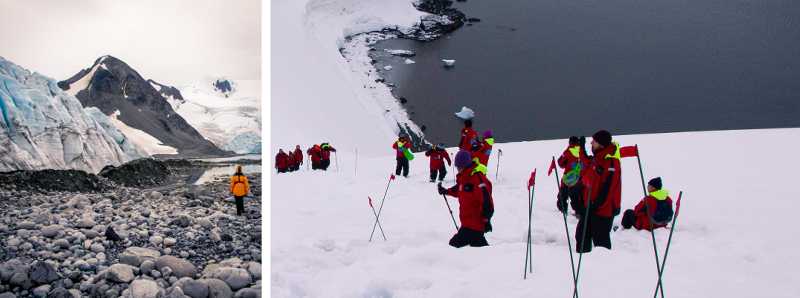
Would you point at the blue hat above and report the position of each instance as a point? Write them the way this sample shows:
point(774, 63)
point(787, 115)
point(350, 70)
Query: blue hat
point(463, 159)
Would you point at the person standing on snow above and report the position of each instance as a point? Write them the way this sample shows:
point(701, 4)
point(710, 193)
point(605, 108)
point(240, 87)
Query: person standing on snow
point(467, 136)
point(239, 188)
point(298, 157)
point(290, 161)
point(315, 155)
point(573, 160)
point(400, 146)
point(603, 183)
point(437, 156)
point(325, 155)
point(282, 161)
point(475, 203)
point(653, 211)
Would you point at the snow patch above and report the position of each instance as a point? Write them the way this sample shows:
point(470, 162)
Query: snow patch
point(141, 139)
point(83, 83)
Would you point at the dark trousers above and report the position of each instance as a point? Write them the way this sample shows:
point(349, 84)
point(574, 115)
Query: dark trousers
point(598, 232)
point(402, 166)
point(239, 205)
point(469, 237)
point(282, 170)
point(316, 165)
point(441, 172)
point(628, 219)
point(324, 164)
point(575, 196)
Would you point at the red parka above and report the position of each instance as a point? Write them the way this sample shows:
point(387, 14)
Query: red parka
point(325, 151)
point(644, 211)
point(437, 157)
point(467, 135)
point(399, 145)
point(603, 178)
point(316, 154)
point(474, 193)
point(298, 156)
point(282, 161)
point(570, 158)
point(484, 151)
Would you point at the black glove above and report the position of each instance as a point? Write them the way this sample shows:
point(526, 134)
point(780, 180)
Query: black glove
point(442, 190)
point(561, 205)
point(616, 211)
point(583, 141)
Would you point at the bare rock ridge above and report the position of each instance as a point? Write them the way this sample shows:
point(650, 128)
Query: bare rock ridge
point(113, 86)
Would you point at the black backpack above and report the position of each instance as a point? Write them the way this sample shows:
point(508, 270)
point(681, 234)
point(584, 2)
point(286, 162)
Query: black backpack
point(664, 212)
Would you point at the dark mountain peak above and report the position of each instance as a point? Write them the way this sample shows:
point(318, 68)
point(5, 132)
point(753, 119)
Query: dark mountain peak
point(112, 85)
point(166, 91)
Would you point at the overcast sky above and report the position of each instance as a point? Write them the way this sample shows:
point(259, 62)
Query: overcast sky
point(171, 41)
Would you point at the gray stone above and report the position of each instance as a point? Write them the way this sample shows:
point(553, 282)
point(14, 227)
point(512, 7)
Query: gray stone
point(174, 292)
point(169, 241)
point(13, 242)
point(120, 273)
point(236, 278)
point(134, 256)
point(180, 267)
point(85, 223)
point(10, 267)
point(41, 291)
point(254, 269)
point(248, 293)
point(143, 288)
point(43, 273)
point(8, 295)
point(27, 225)
point(147, 266)
point(156, 240)
point(182, 220)
point(52, 231)
point(61, 243)
point(217, 288)
point(193, 288)
point(60, 292)
point(205, 223)
point(97, 248)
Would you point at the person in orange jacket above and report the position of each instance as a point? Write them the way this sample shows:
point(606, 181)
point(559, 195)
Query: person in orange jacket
point(239, 188)
point(653, 211)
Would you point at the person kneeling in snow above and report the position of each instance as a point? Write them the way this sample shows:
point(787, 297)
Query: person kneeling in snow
point(476, 206)
point(653, 211)
point(437, 156)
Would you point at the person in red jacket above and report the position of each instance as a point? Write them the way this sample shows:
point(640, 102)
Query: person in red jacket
point(603, 190)
point(485, 149)
point(467, 135)
point(399, 147)
point(475, 203)
point(437, 156)
point(573, 160)
point(325, 155)
point(315, 155)
point(290, 161)
point(281, 161)
point(653, 211)
point(298, 157)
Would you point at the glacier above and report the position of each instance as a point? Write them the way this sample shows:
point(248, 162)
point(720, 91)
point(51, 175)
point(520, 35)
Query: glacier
point(44, 127)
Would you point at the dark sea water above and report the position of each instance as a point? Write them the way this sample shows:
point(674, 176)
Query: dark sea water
point(543, 69)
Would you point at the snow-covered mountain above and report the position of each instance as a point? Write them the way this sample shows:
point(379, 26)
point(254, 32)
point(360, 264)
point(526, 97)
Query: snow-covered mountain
point(224, 111)
point(44, 127)
point(138, 108)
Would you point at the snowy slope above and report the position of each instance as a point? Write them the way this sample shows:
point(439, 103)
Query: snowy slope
point(732, 236)
point(231, 119)
point(315, 91)
point(45, 127)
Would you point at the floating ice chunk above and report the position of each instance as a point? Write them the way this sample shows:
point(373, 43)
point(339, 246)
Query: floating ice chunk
point(401, 53)
point(409, 61)
point(465, 113)
point(449, 62)
point(387, 67)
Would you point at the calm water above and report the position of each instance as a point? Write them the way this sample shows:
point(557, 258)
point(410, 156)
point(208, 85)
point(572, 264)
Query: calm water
point(541, 69)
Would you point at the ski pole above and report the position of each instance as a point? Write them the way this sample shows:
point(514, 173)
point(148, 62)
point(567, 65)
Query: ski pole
point(647, 209)
point(381, 207)
point(583, 240)
point(449, 209)
point(376, 219)
point(666, 251)
point(497, 171)
point(566, 228)
point(529, 248)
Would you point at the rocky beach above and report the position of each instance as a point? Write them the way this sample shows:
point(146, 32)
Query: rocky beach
point(144, 229)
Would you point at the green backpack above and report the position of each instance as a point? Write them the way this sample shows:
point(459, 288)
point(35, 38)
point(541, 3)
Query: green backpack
point(573, 176)
point(407, 153)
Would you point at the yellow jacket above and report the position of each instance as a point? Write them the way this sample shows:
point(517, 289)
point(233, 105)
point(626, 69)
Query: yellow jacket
point(239, 185)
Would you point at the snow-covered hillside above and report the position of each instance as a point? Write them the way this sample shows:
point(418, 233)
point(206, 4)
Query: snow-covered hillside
point(732, 237)
point(231, 119)
point(315, 92)
point(45, 127)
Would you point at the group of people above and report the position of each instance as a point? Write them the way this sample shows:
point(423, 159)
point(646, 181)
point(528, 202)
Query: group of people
point(318, 154)
point(592, 184)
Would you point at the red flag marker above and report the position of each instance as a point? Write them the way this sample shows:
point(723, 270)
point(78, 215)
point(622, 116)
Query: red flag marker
point(391, 177)
point(552, 167)
point(628, 151)
point(370, 202)
point(532, 179)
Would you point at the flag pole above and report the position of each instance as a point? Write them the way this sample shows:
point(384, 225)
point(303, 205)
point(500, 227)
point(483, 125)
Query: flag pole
point(664, 261)
point(529, 247)
point(566, 227)
point(376, 219)
point(381, 207)
point(583, 240)
point(647, 209)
